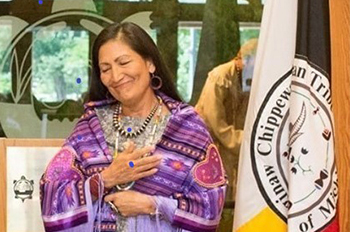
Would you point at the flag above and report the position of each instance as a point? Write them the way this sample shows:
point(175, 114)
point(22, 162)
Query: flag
point(287, 179)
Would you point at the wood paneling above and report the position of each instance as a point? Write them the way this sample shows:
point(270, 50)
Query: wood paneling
point(2, 184)
point(18, 143)
point(340, 40)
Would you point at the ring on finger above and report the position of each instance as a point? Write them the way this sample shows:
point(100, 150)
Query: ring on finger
point(114, 208)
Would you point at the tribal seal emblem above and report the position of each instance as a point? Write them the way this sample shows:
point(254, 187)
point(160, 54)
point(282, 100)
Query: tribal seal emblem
point(292, 148)
point(23, 188)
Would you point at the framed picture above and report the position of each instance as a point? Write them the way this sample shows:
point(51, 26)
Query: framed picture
point(22, 163)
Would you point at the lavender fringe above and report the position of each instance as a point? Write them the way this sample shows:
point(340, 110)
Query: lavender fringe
point(159, 223)
point(142, 223)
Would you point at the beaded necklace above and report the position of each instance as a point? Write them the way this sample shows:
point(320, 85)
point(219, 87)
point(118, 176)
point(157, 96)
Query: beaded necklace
point(129, 133)
point(121, 132)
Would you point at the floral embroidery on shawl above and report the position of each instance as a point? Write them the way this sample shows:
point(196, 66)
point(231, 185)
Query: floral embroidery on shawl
point(62, 167)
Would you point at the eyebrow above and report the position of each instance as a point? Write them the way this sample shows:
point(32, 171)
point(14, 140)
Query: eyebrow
point(116, 59)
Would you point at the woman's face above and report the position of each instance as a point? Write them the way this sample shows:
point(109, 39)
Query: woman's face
point(124, 72)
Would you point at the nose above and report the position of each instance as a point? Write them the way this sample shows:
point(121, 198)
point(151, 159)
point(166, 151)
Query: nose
point(117, 74)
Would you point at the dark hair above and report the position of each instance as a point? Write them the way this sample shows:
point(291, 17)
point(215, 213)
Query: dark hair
point(140, 42)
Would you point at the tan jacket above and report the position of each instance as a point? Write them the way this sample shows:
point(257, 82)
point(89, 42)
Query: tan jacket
point(222, 105)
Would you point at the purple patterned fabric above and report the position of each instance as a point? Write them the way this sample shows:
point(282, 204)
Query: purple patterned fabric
point(190, 174)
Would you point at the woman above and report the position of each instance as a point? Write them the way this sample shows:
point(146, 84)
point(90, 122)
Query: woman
point(138, 159)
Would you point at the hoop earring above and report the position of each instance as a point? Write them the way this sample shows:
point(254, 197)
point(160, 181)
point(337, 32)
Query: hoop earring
point(156, 82)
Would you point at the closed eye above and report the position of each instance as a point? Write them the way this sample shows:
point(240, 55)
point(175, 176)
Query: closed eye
point(105, 70)
point(124, 62)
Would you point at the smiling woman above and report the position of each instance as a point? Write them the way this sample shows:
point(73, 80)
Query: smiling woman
point(125, 73)
point(139, 159)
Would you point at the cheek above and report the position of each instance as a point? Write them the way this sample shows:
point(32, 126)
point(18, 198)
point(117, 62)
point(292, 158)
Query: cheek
point(145, 78)
point(104, 79)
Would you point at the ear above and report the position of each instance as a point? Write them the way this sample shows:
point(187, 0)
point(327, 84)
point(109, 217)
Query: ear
point(151, 67)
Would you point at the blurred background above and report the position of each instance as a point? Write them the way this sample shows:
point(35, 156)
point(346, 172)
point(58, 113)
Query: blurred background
point(45, 55)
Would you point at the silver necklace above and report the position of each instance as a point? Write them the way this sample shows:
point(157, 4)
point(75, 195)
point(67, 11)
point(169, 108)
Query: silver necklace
point(129, 133)
point(128, 186)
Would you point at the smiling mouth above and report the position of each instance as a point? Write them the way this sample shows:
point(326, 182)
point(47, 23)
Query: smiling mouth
point(121, 85)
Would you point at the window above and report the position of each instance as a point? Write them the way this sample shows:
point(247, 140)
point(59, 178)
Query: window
point(60, 64)
point(249, 34)
point(192, 1)
point(5, 71)
point(245, 2)
point(50, 53)
point(133, 0)
point(188, 43)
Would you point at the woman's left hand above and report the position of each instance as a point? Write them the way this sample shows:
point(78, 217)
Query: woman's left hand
point(132, 203)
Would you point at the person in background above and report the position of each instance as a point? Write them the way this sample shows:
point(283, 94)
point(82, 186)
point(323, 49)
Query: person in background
point(223, 105)
point(139, 159)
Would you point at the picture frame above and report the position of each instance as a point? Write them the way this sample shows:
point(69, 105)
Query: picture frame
point(19, 181)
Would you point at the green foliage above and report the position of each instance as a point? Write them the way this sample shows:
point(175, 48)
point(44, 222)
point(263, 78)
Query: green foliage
point(5, 83)
point(5, 75)
point(59, 58)
point(247, 34)
point(183, 62)
point(184, 77)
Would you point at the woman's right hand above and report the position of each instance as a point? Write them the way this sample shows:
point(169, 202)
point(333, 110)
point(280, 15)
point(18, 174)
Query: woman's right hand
point(119, 172)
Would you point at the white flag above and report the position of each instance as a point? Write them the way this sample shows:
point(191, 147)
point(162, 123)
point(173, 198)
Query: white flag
point(287, 178)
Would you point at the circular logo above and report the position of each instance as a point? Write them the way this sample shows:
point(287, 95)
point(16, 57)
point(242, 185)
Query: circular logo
point(292, 149)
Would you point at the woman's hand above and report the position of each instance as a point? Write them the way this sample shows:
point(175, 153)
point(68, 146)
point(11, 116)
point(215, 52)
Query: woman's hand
point(131, 203)
point(119, 172)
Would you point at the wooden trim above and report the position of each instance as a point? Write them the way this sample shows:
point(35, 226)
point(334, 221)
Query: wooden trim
point(4, 143)
point(3, 205)
point(340, 45)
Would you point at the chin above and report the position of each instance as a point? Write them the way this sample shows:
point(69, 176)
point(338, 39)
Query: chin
point(124, 98)
point(122, 95)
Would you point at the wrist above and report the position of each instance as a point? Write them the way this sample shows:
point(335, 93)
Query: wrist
point(152, 207)
point(154, 210)
point(106, 181)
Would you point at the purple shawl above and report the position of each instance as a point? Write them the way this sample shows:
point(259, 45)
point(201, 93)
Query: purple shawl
point(189, 188)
